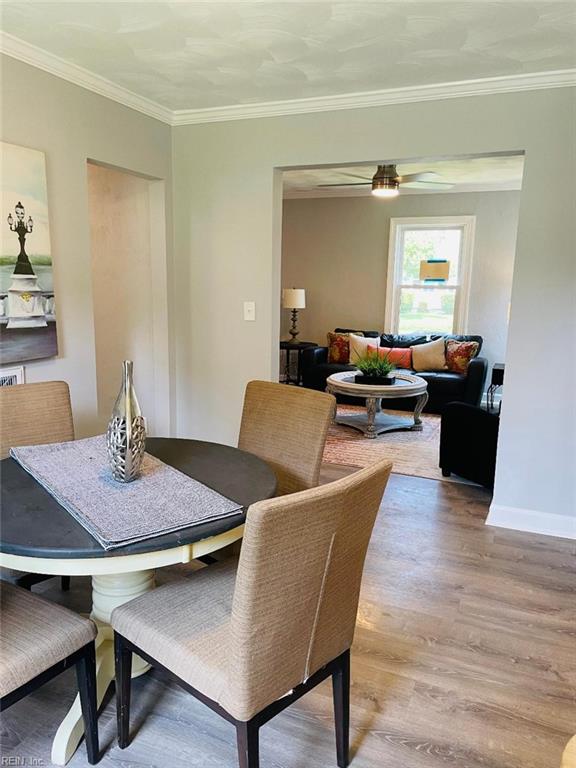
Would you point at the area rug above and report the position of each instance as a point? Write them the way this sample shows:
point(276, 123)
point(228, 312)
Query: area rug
point(413, 453)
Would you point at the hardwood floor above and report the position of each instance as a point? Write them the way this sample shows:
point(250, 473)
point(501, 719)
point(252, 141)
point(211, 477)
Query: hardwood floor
point(464, 657)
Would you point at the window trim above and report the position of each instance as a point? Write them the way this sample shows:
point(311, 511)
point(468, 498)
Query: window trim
point(462, 300)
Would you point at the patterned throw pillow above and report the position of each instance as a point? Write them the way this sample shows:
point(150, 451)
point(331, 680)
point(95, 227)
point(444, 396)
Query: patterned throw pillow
point(459, 354)
point(339, 348)
point(402, 358)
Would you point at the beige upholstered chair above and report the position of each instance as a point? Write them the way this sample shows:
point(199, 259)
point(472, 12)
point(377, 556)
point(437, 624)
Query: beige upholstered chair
point(39, 640)
point(569, 756)
point(249, 642)
point(34, 414)
point(286, 427)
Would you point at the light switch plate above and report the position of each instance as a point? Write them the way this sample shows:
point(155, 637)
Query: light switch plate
point(249, 310)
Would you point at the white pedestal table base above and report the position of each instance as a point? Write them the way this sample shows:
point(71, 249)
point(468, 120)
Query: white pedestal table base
point(108, 591)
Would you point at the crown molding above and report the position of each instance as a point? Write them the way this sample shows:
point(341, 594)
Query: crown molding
point(48, 62)
point(481, 87)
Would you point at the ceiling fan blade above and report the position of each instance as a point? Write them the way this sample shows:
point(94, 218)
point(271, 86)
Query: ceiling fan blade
point(424, 176)
point(438, 185)
point(346, 184)
point(355, 176)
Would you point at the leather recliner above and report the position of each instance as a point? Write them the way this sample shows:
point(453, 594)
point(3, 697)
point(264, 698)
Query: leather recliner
point(468, 440)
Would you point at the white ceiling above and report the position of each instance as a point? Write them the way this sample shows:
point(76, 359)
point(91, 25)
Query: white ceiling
point(196, 55)
point(477, 174)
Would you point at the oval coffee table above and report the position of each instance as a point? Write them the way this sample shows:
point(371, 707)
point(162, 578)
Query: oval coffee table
point(37, 535)
point(374, 422)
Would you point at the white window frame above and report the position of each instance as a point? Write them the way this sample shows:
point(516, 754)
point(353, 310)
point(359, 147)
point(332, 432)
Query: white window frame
point(462, 295)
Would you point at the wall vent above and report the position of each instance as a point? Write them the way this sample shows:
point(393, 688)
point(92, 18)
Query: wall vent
point(9, 376)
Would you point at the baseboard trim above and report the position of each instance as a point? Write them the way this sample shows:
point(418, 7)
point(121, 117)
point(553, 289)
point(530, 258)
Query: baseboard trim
point(532, 521)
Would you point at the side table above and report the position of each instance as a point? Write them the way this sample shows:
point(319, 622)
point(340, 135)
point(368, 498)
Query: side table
point(298, 347)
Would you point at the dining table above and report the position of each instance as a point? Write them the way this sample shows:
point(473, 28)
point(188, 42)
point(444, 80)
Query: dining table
point(37, 535)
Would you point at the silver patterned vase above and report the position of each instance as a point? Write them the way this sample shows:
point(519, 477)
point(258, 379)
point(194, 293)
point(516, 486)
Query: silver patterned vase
point(126, 435)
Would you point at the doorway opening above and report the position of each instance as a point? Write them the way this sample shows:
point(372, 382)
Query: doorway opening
point(430, 256)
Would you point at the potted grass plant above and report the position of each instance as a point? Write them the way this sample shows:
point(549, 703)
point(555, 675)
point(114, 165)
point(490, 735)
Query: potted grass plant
point(375, 369)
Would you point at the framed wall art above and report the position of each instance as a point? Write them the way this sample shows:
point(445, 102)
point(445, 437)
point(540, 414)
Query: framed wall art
point(27, 304)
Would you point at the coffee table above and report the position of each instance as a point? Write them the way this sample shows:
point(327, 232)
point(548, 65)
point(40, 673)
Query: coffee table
point(374, 422)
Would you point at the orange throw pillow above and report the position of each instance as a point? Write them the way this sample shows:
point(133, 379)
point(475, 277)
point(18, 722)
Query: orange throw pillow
point(402, 358)
point(339, 348)
point(459, 354)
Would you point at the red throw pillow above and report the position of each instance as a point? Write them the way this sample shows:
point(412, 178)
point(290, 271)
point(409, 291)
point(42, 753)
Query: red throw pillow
point(459, 354)
point(339, 347)
point(402, 358)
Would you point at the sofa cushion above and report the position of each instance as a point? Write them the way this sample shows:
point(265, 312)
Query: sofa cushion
point(444, 382)
point(402, 341)
point(412, 339)
point(402, 358)
point(368, 334)
point(359, 347)
point(456, 337)
point(430, 356)
point(459, 354)
point(339, 348)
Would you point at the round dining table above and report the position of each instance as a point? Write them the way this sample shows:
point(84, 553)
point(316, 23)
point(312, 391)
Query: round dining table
point(37, 535)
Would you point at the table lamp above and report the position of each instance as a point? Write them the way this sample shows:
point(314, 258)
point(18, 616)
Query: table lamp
point(294, 299)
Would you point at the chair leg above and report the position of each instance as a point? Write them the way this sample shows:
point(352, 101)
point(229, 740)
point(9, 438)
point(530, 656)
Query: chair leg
point(248, 745)
point(123, 661)
point(65, 583)
point(86, 675)
point(341, 694)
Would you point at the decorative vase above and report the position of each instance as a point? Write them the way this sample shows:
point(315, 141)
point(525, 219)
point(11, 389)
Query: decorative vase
point(126, 434)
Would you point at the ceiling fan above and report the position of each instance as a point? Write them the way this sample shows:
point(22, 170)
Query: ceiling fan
point(386, 182)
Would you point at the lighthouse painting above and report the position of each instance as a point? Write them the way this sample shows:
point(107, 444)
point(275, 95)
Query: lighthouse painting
point(27, 306)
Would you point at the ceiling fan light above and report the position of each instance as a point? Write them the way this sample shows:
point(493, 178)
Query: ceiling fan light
point(385, 181)
point(385, 192)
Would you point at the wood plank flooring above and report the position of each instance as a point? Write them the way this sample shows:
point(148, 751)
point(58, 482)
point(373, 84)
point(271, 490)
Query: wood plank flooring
point(464, 657)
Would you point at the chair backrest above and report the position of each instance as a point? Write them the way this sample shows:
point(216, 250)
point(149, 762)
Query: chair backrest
point(35, 414)
point(297, 586)
point(286, 427)
point(569, 754)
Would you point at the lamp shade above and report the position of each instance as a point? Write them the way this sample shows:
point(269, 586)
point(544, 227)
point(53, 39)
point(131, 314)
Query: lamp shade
point(434, 270)
point(294, 298)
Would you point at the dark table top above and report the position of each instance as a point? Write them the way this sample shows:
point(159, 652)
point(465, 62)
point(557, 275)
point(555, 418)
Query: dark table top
point(299, 345)
point(32, 523)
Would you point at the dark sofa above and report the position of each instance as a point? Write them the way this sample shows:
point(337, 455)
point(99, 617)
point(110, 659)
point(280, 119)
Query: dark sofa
point(443, 386)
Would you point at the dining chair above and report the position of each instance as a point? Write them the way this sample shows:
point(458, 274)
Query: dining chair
point(39, 640)
point(569, 754)
point(34, 414)
point(287, 428)
point(250, 638)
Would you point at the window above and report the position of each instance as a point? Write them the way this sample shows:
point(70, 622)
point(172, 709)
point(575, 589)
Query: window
point(413, 305)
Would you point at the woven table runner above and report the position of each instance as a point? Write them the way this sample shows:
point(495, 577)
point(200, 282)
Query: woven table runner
point(161, 500)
